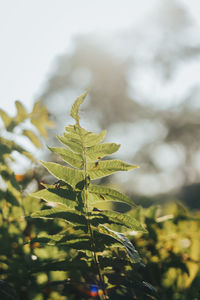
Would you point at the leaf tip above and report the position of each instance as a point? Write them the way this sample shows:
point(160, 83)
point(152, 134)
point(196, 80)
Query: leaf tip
point(74, 113)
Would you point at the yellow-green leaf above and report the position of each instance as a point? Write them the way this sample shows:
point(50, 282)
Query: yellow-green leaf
point(122, 219)
point(72, 143)
point(32, 137)
point(83, 137)
point(74, 113)
point(74, 159)
point(58, 195)
point(99, 193)
point(97, 152)
point(5, 118)
point(21, 112)
point(106, 167)
point(73, 177)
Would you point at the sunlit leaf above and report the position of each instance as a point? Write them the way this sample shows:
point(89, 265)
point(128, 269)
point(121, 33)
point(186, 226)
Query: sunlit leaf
point(71, 176)
point(61, 212)
point(58, 195)
point(107, 167)
point(71, 142)
point(123, 219)
point(75, 107)
point(99, 193)
point(97, 152)
point(69, 156)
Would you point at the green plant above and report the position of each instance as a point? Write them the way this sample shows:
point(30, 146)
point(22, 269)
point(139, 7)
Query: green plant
point(171, 250)
point(15, 256)
point(96, 253)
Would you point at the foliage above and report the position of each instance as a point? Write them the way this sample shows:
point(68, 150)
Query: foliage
point(171, 250)
point(16, 230)
point(75, 246)
point(88, 233)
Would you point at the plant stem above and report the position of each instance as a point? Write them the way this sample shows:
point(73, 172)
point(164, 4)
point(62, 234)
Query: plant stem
point(90, 229)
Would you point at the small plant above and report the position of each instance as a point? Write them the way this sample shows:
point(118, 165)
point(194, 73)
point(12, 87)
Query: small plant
point(98, 256)
point(15, 256)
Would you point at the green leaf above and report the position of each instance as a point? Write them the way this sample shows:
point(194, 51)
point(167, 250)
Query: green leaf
point(62, 196)
point(78, 242)
point(39, 127)
point(97, 152)
point(4, 149)
point(57, 212)
point(90, 139)
point(76, 131)
point(75, 107)
point(61, 212)
point(71, 142)
point(69, 156)
point(21, 112)
point(44, 237)
point(32, 137)
point(5, 118)
point(73, 177)
point(83, 137)
point(40, 118)
point(107, 167)
point(130, 249)
point(98, 193)
point(122, 219)
point(11, 145)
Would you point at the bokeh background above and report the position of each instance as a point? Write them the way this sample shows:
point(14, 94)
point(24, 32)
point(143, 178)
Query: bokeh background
point(141, 61)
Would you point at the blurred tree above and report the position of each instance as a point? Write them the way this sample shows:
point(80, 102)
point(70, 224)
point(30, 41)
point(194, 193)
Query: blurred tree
point(143, 82)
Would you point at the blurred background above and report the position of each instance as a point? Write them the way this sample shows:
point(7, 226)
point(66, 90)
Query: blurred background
point(141, 61)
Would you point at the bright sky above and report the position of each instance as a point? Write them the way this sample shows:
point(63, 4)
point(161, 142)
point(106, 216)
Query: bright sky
point(34, 32)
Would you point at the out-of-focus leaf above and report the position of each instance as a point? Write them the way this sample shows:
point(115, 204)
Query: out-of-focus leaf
point(21, 112)
point(32, 137)
point(5, 118)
